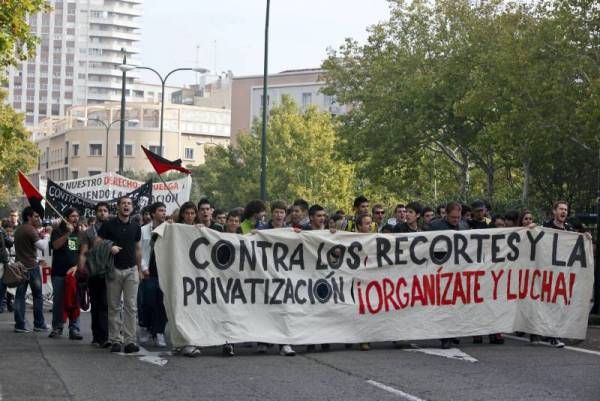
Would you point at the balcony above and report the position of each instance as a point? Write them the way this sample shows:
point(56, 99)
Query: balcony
point(114, 21)
point(136, 37)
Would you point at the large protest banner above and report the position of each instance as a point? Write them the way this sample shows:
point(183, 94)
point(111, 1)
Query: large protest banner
point(62, 199)
point(282, 287)
point(107, 186)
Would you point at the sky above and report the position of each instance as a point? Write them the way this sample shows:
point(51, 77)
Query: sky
point(229, 34)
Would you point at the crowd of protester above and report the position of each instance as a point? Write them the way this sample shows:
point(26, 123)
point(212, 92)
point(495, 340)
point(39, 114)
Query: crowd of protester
point(111, 258)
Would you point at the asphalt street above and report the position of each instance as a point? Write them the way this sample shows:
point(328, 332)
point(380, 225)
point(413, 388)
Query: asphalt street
point(35, 367)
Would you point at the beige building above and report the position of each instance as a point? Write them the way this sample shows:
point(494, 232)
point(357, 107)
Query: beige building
point(78, 145)
point(304, 86)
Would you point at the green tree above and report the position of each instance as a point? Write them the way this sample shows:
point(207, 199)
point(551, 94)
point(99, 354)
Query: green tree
point(497, 90)
point(17, 43)
point(17, 152)
point(301, 162)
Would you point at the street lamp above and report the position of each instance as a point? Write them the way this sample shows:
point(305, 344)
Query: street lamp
point(124, 68)
point(107, 126)
point(263, 138)
point(163, 82)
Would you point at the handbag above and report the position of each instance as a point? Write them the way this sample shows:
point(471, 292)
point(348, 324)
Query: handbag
point(15, 274)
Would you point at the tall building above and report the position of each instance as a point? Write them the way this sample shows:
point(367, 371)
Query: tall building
point(304, 86)
point(77, 60)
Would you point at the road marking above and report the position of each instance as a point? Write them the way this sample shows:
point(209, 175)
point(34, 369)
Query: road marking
point(393, 390)
point(576, 349)
point(450, 353)
point(144, 355)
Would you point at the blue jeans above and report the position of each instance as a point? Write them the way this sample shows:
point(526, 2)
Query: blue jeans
point(2, 295)
point(58, 292)
point(35, 283)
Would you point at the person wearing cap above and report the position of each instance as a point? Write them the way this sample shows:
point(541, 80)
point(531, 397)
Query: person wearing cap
point(478, 213)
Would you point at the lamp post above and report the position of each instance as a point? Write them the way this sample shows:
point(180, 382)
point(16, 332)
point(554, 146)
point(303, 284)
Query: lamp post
point(263, 138)
point(122, 130)
point(108, 126)
point(163, 82)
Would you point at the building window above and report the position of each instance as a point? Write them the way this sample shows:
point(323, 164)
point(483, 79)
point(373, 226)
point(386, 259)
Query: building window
point(95, 149)
point(189, 154)
point(154, 149)
point(74, 174)
point(94, 172)
point(306, 99)
point(75, 150)
point(128, 150)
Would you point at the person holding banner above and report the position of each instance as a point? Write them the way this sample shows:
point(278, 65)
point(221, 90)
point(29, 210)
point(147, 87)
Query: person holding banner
point(188, 214)
point(66, 243)
point(153, 307)
point(123, 281)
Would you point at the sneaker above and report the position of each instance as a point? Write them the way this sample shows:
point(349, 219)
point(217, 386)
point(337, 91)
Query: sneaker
point(228, 350)
point(446, 343)
point(534, 339)
point(365, 346)
point(106, 344)
point(262, 348)
point(116, 347)
point(55, 333)
point(143, 336)
point(159, 340)
point(131, 348)
point(556, 343)
point(95, 343)
point(190, 351)
point(23, 330)
point(477, 339)
point(287, 350)
point(75, 335)
point(41, 329)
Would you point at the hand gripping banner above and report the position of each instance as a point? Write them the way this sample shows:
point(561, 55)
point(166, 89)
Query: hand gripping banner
point(282, 287)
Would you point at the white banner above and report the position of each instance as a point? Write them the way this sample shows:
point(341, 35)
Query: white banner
point(282, 287)
point(107, 186)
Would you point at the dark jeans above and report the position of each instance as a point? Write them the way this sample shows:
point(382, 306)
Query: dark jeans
point(154, 309)
point(98, 309)
point(35, 283)
point(58, 300)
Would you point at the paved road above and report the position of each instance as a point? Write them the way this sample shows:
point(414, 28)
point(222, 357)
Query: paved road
point(34, 367)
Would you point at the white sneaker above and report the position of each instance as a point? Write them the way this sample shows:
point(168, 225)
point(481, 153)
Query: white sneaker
point(159, 340)
point(262, 348)
point(143, 335)
point(287, 350)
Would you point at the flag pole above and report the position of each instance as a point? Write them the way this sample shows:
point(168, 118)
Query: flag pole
point(169, 189)
point(44, 198)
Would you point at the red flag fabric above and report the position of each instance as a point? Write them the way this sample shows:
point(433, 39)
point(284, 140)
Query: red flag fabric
point(161, 164)
point(33, 195)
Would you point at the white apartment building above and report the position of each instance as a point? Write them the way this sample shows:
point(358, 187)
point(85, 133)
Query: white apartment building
point(77, 145)
point(76, 62)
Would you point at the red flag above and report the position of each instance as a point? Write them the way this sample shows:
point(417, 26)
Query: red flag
point(161, 164)
point(33, 195)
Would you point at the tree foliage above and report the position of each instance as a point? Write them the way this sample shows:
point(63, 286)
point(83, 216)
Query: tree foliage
point(17, 43)
point(495, 93)
point(301, 162)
